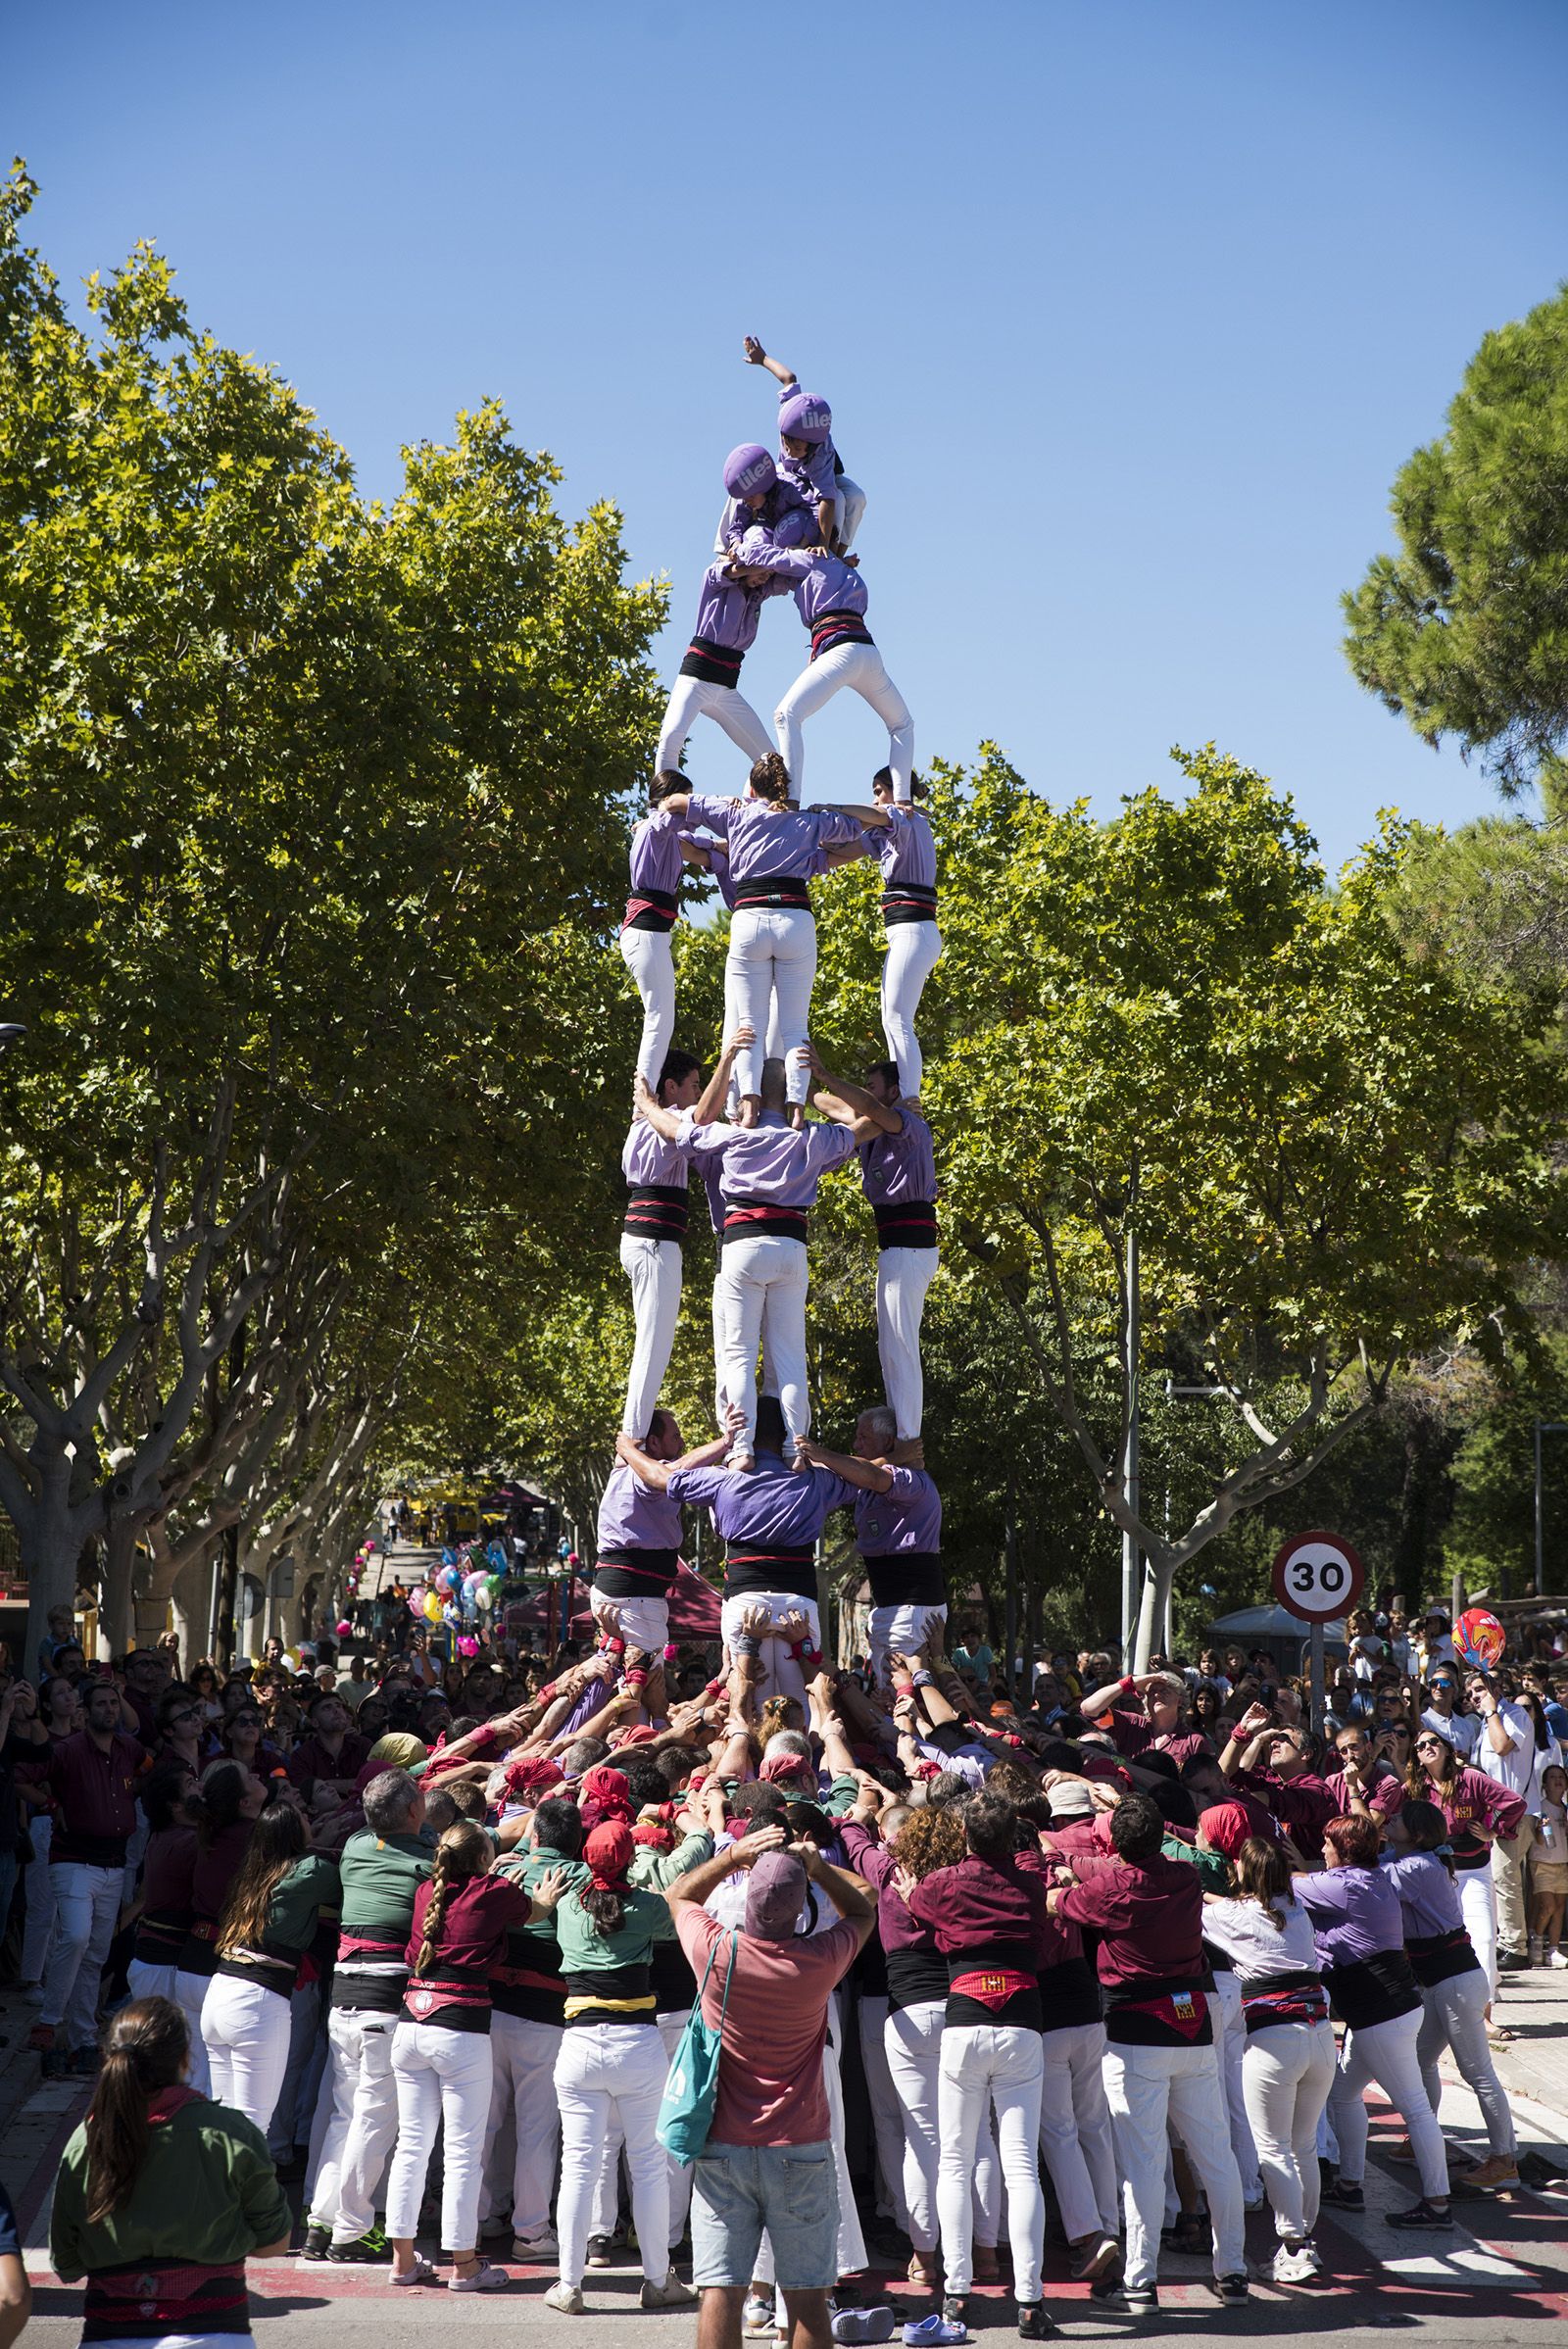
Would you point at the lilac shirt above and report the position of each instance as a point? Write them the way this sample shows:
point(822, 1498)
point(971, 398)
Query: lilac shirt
point(896, 1168)
point(649, 1159)
point(770, 1504)
point(822, 583)
point(765, 844)
point(906, 850)
point(727, 613)
point(784, 517)
point(719, 866)
point(633, 1516)
point(1429, 1897)
point(769, 1161)
point(907, 1518)
point(655, 857)
point(815, 474)
point(1354, 1913)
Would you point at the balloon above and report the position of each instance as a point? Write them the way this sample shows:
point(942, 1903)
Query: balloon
point(448, 1579)
point(468, 1644)
point(1480, 1638)
point(345, 1630)
point(417, 1599)
point(432, 1607)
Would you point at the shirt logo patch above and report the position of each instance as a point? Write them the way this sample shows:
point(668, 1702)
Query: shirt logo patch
point(1183, 2006)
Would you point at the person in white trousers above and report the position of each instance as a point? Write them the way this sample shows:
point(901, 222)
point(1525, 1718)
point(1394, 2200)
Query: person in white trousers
point(648, 925)
point(653, 1230)
point(1287, 2065)
point(831, 599)
point(808, 457)
point(1161, 2071)
point(1477, 1810)
point(269, 1924)
point(92, 1776)
point(906, 853)
point(59, 1709)
point(899, 1176)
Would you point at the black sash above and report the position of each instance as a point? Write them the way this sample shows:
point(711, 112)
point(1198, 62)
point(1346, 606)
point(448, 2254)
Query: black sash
point(905, 1223)
point(656, 1211)
point(777, 892)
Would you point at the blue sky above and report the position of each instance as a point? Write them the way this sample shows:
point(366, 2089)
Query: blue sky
point(1128, 312)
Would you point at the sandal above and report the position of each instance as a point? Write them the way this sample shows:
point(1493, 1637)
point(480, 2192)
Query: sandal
point(1500, 2036)
point(915, 2272)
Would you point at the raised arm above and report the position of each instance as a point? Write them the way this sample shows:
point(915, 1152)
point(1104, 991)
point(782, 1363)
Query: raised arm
point(757, 356)
point(715, 1093)
point(848, 1104)
point(655, 1474)
point(870, 1475)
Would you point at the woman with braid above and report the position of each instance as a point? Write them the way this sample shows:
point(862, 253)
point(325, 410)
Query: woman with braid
point(162, 2196)
point(441, 2058)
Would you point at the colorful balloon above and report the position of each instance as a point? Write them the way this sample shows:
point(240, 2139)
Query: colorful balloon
point(432, 1607)
point(1480, 1640)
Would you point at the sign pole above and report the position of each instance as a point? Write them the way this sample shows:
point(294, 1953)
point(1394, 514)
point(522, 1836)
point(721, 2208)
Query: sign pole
point(1319, 1689)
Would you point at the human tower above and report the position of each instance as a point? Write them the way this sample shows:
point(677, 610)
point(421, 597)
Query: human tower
point(788, 527)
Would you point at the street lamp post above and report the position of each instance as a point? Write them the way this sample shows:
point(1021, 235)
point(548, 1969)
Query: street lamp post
point(1543, 1427)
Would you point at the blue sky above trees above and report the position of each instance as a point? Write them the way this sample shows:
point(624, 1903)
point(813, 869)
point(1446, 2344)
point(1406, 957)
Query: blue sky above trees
point(1128, 316)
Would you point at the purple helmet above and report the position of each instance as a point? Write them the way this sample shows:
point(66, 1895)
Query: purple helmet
point(748, 470)
point(806, 417)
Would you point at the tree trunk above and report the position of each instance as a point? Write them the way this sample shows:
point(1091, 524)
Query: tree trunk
point(1158, 1578)
point(117, 1577)
point(191, 1599)
point(49, 1535)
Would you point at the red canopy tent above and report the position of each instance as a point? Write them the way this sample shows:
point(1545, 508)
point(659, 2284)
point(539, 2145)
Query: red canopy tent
point(694, 1607)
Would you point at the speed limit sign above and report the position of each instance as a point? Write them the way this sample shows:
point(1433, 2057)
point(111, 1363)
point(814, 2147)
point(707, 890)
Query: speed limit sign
point(1317, 1576)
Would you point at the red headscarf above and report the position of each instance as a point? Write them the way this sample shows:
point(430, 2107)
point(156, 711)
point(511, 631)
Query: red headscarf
point(1226, 1828)
point(608, 1853)
point(788, 1770)
point(603, 1795)
point(533, 1773)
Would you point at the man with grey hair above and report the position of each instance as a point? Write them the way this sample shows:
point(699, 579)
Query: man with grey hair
point(382, 1869)
point(1145, 1715)
point(898, 1531)
point(768, 2162)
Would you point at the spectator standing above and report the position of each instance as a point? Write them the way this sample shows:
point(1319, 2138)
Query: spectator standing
point(93, 1778)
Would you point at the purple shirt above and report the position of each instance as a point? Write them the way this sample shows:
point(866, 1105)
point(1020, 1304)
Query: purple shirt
point(896, 1168)
point(821, 582)
point(727, 611)
point(710, 1173)
point(775, 846)
point(769, 1161)
point(783, 516)
point(718, 855)
point(633, 1516)
point(656, 858)
point(906, 850)
point(815, 474)
point(769, 1504)
point(1429, 1897)
point(649, 1159)
point(896, 1924)
point(907, 1518)
point(1354, 1913)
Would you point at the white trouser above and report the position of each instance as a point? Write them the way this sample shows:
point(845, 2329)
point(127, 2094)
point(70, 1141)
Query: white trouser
point(1387, 2053)
point(1478, 1907)
point(896, 1631)
point(1146, 2087)
point(764, 1281)
point(650, 959)
point(887, 2120)
point(606, 2190)
point(1001, 2062)
point(1454, 2016)
point(1508, 1856)
point(913, 2043)
point(902, 1277)
point(604, 2072)
point(246, 2031)
point(721, 1394)
point(643, 1623)
point(768, 978)
point(849, 507)
point(86, 1911)
point(190, 1996)
point(861, 667)
point(654, 1269)
point(38, 1932)
point(364, 2126)
point(692, 698)
point(524, 2126)
point(443, 2080)
point(1075, 2128)
point(1230, 2045)
point(295, 2108)
point(1287, 2072)
point(150, 1982)
point(781, 1674)
point(913, 950)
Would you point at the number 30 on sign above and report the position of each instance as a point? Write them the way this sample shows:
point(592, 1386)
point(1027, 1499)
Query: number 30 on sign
point(1317, 1576)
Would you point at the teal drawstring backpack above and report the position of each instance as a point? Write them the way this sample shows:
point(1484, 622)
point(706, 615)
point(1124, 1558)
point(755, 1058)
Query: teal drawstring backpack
point(686, 2113)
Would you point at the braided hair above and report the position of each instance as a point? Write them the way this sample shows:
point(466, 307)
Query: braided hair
point(464, 1852)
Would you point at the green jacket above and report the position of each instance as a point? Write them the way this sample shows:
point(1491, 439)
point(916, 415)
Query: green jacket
point(656, 1870)
point(206, 2192)
point(381, 1876)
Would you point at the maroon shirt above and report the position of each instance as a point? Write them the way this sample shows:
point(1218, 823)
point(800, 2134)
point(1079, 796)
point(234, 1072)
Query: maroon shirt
point(1385, 1791)
point(95, 1796)
point(1133, 1736)
point(166, 1873)
point(474, 1925)
point(310, 1759)
point(1150, 1918)
point(982, 1901)
point(1303, 1805)
point(917, 1972)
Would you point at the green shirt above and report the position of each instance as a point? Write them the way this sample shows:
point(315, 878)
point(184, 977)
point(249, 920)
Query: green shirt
point(656, 1870)
point(381, 1876)
point(584, 1949)
point(311, 1886)
point(205, 2191)
point(527, 1867)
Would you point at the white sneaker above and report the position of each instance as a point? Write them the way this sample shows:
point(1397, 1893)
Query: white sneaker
point(1558, 1960)
point(671, 2293)
point(1298, 2265)
point(541, 2244)
point(756, 2315)
point(566, 2300)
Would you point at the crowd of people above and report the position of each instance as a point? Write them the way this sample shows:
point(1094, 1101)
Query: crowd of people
point(1048, 1961)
